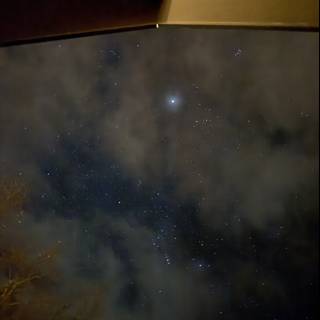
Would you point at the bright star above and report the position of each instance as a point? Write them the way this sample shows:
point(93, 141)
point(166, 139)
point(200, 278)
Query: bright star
point(173, 103)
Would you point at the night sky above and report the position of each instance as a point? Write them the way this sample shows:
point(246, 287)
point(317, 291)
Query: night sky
point(176, 169)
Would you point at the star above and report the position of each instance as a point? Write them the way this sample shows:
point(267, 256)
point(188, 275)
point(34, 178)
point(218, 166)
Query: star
point(173, 103)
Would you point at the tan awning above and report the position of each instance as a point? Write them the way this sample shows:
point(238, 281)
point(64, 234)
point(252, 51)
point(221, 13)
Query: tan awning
point(248, 13)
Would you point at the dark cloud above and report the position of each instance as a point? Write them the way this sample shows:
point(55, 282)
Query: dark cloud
point(226, 139)
point(205, 211)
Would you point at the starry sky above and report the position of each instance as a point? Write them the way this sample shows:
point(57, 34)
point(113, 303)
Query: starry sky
point(176, 168)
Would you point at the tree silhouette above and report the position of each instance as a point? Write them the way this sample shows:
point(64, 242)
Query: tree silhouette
point(29, 282)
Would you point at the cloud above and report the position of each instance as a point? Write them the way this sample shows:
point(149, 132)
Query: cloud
point(240, 154)
point(247, 126)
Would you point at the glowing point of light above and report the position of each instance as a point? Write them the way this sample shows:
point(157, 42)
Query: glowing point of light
point(173, 103)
